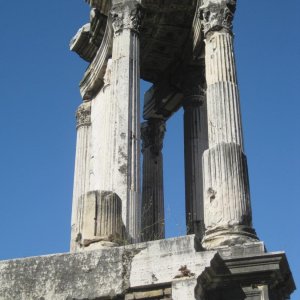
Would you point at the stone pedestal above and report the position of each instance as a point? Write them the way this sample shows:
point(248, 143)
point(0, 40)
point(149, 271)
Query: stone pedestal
point(228, 217)
point(153, 219)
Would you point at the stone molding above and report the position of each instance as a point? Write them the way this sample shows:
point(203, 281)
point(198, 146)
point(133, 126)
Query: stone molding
point(127, 16)
point(88, 39)
point(97, 26)
point(92, 81)
point(152, 134)
point(81, 44)
point(102, 5)
point(171, 35)
point(116, 273)
point(217, 15)
point(246, 277)
point(83, 115)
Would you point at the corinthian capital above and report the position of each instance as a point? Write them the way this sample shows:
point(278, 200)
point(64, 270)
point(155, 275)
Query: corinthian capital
point(217, 15)
point(153, 132)
point(127, 16)
point(83, 114)
point(194, 86)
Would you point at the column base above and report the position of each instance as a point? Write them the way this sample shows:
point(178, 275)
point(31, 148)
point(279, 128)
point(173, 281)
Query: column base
point(228, 236)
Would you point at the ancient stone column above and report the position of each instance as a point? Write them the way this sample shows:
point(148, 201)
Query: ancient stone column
point(195, 143)
point(153, 220)
point(125, 89)
point(81, 175)
point(228, 217)
point(102, 209)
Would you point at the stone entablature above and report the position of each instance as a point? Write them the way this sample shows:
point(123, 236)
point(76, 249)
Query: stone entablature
point(165, 29)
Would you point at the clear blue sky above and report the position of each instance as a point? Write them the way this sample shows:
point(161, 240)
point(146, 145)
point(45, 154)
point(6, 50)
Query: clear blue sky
point(39, 96)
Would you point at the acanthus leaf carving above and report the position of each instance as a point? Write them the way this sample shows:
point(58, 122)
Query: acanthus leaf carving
point(83, 114)
point(126, 17)
point(217, 15)
point(152, 133)
point(194, 87)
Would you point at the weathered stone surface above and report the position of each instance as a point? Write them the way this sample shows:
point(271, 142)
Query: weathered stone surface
point(113, 160)
point(159, 262)
point(125, 90)
point(155, 293)
point(102, 218)
point(85, 275)
point(228, 216)
point(226, 197)
point(100, 273)
point(81, 173)
point(169, 43)
point(81, 44)
point(184, 288)
point(102, 5)
point(93, 80)
point(166, 269)
point(195, 143)
point(217, 15)
point(256, 275)
point(165, 29)
point(153, 219)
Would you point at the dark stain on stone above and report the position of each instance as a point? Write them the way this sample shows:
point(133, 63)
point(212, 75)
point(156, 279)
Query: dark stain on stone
point(123, 169)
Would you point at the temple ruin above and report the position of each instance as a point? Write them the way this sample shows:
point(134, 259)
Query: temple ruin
point(185, 48)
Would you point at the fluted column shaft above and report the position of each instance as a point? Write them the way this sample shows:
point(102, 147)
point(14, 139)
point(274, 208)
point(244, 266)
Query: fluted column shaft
point(125, 88)
point(228, 218)
point(81, 174)
point(222, 90)
point(195, 143)
point(102, 209)
point(153, 224)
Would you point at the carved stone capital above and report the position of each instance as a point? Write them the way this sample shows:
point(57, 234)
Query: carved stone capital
point(83, 114)
point(152, 133)
point(127, 16)
point(193, 101)
point(217, 15)
point(194, 87)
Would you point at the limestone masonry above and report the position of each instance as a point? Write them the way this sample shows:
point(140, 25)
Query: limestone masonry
point(118, 246)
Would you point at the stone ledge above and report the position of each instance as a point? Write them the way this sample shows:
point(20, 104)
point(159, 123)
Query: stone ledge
point(104, 273)
point(151, 270)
